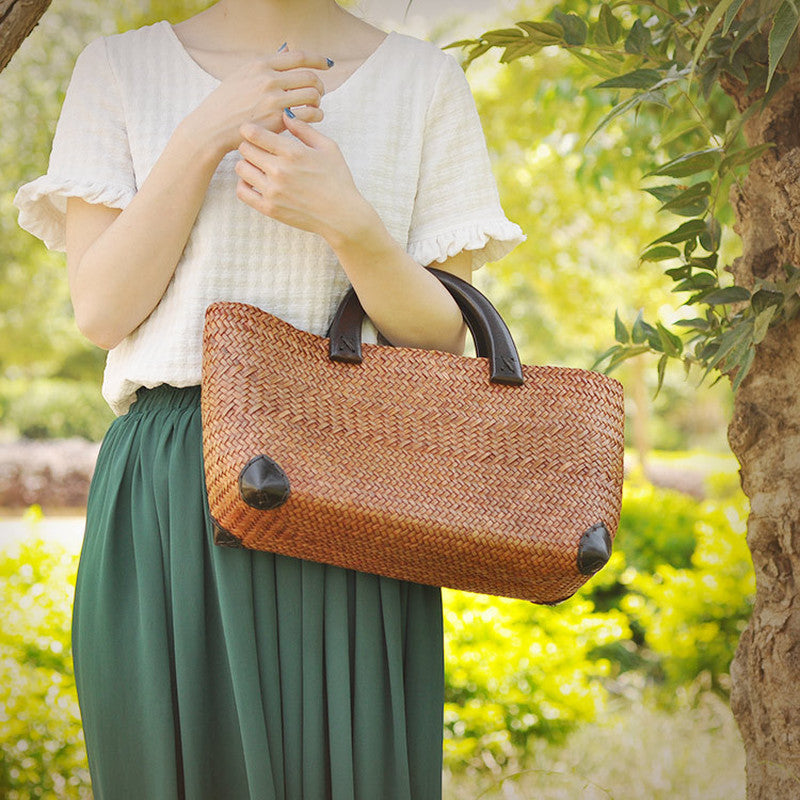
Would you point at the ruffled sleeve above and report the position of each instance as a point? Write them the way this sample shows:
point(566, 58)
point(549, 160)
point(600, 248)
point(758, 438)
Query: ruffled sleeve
point(90, 157)
point(457, 206)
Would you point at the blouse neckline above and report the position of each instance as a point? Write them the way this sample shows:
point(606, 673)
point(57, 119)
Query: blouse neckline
point(359, 70)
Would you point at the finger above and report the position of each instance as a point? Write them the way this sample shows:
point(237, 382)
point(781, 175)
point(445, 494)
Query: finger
point(282, 146)
point(259, 158)
point(300, 79)
point(304, 132)
point(251, 175)
point(249, 195)
point(302, 97)
point(309, 113)
point(292, 59)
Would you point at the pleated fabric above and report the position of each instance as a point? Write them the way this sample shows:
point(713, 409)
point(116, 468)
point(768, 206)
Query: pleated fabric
point(211, 673)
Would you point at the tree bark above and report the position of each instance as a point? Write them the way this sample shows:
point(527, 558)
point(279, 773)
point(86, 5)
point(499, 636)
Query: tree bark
point(17, 19)
point(764, 434)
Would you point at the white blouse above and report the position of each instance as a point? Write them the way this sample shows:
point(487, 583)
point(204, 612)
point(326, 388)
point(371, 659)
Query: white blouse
point(406, 124)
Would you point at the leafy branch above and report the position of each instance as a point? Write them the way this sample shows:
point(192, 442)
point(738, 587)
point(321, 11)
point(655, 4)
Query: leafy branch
point(673, 61)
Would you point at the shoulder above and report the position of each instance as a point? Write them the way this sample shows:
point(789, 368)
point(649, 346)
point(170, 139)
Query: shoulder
point(425, 55)
point(432, 72)
point(135, 46)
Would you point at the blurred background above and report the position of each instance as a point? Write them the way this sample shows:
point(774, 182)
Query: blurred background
point(620, 692)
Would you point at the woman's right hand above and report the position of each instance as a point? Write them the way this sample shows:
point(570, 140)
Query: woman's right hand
point(258, 91)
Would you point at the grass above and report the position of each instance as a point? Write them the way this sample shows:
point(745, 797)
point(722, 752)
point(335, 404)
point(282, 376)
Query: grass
point(635, 752)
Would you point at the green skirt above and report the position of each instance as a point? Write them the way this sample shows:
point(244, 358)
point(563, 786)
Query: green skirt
point(212, 673)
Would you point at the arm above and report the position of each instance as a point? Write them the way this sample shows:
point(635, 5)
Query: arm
point(406, 303)
point(305, 182)
point(121, 262)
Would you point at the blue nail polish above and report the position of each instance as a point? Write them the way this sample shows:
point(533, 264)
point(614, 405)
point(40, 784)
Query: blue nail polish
point(282, 46)
point(289, 112)
point(330, 61)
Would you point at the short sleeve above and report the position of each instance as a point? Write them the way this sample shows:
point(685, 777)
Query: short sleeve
point(457, 206)
point(90, 157)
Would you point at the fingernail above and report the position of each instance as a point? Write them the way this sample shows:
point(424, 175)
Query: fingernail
point(330, 61)
point(289, 112)
point(282, 46)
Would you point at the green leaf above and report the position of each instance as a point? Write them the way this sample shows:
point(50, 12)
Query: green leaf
point(660, 253)
point(624, 353)
point(514, 51)
point(598, 65)
point(727, 343)
point(761, 324)
point(783, 26)
point(730, 294)
point(608, 24)
point(661, 369)
point(638, 79)
point(665, 193)
point(575, 29)
point(642, 331)
point(696, 322)
point(603, 356)
point(688, 164)
point(764, 298)
point(620, 331)
point(688, 230)
point(678, 273)
point(742, 157)
point(695, 197)
point(744, 367)
point(503, 36)
point(681, 130)
point(638, 39)
point(706, 262)
point(671, 343)
point(713, 20)
point(543, 32)
point(702, 280)
point(710, 238)
point(730, 14)
point(632, 102)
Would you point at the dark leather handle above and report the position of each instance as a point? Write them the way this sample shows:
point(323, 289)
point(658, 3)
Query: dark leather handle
point(492, 337)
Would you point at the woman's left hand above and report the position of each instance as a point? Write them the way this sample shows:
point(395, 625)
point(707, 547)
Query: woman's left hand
point(302, 180)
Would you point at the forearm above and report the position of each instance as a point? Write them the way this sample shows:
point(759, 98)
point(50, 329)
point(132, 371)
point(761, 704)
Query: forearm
point(407, 304)
point(120, 278)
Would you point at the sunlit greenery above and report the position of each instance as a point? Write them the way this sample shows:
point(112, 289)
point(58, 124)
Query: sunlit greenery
point(659, 623)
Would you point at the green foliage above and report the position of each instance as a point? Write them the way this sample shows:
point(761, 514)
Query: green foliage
point(53, 408)
point(41, 742)
point(656, 527)
point(666, 611)
point(667, 63)
point(517, 672)
point(693, 616)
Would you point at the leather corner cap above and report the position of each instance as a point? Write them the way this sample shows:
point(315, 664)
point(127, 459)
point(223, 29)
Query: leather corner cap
point(594, 549)
point(263, 484)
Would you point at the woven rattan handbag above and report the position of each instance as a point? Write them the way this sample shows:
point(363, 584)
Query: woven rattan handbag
point(472, 473)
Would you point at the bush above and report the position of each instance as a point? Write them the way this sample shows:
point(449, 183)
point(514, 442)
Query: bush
point(54, 408)
point(693, 617)
point(516, 672)
point(42, 754)
point(656, 527)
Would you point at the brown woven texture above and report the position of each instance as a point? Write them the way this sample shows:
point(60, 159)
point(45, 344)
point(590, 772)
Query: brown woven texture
point(411, 464)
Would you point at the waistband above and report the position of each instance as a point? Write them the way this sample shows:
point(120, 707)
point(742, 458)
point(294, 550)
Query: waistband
point(165, 397)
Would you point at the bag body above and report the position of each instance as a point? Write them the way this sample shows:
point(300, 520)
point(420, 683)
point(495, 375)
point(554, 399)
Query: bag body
point(410, 463)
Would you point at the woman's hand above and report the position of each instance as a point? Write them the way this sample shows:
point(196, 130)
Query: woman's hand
point(303, 180)
point(258, 92)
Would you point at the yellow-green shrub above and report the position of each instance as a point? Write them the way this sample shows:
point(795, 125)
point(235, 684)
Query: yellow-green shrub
point(517, 671)
point(42, 753)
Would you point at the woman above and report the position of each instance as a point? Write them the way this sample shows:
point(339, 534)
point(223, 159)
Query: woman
point(205, 162)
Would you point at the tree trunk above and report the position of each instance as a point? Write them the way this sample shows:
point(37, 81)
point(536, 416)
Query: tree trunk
point(17, 19)
point(764, 434)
